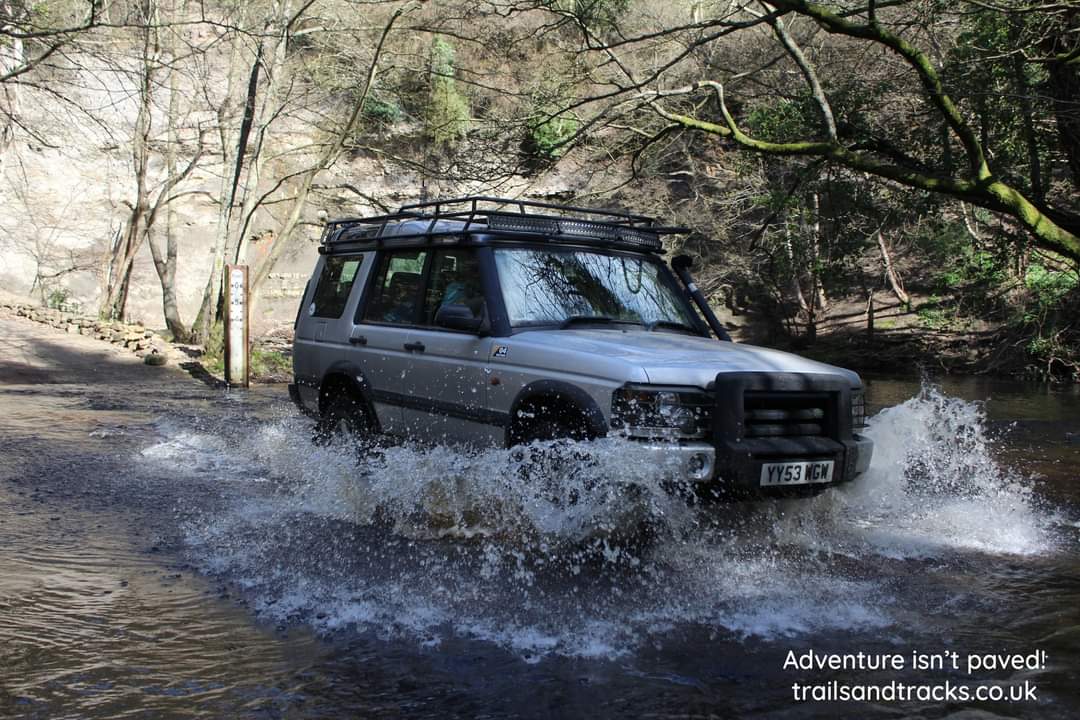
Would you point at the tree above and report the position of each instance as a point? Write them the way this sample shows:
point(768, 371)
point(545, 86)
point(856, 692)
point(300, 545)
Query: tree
point(448, 110)
point(329, 155)
point(251, 105)
point(28, 38)
point(898, 34)
point(154, 60)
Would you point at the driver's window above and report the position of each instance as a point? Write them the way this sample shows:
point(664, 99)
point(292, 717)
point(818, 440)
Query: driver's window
point(454, 280)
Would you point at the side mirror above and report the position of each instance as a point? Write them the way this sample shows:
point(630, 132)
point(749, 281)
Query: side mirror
point(458, 317)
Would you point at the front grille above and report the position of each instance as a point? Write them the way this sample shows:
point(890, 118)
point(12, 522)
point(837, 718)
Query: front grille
point(785, 414)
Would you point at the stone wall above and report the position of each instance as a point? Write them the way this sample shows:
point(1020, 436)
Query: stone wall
point(135, 338)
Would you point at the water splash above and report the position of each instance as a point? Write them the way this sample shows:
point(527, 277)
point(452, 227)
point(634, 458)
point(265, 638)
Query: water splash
point(534, 554)
point(934, 488)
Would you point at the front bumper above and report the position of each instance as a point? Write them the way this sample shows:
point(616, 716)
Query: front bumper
point(736, 465)
point(693, 461)
point(739, 462)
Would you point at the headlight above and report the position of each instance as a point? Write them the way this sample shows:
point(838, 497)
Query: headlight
point(858, 408)
point(643, 411)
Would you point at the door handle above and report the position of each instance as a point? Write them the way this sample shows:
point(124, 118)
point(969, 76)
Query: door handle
point(358, 340)
point(414, 346)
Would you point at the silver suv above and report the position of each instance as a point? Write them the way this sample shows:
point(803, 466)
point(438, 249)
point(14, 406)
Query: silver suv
point(499, 322)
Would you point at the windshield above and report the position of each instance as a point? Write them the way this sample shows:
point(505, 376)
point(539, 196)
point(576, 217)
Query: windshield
point(559, 286)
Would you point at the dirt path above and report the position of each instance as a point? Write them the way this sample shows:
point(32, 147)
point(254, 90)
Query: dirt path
point(32, 353)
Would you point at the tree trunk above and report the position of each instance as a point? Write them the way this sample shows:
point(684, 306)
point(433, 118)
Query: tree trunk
point(166, 266)
point(820, 299)
point(271, 104)
point(329, 156)
point(891, 274)
point(228, 130)
point(1064, 88)
point(123, 258)
point(120, 271)
point(236, 128)
point(796, 286)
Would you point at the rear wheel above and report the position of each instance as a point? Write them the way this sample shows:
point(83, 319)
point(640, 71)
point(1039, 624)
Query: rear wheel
point(346, 418)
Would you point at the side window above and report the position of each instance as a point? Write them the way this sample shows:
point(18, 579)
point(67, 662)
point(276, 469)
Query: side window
point(332, 292)
point(455, 280)
point(395, 294)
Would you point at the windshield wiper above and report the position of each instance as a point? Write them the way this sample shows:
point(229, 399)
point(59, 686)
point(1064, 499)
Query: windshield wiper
point(582, 319)
point(672, 325)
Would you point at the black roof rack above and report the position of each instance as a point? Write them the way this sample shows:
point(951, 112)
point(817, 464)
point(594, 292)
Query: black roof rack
point(555, 223)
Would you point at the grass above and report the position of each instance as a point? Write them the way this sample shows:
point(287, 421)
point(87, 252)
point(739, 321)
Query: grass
point(265, 364)
point(270, 364)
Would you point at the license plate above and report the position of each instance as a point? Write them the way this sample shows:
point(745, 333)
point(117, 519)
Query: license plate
point(803, 472)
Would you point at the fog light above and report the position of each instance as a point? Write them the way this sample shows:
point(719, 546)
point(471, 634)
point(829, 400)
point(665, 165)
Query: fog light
point(699, 467)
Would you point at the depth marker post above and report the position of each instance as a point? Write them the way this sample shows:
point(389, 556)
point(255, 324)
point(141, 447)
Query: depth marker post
point(236, 326)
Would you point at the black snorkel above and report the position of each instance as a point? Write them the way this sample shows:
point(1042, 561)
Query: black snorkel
point(681, 264)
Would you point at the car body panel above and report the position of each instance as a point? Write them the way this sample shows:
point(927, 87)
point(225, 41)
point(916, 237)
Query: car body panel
point(446, 388)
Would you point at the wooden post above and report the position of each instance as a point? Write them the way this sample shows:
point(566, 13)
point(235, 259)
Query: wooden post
point(237, 368)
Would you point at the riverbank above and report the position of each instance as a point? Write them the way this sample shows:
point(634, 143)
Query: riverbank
point(271, 356)
point(926, 336)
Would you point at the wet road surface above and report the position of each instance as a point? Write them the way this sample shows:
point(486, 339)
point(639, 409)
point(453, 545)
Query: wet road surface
point(168, 549)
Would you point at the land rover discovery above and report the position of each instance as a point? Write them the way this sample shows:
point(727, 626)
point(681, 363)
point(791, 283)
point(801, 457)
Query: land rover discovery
point(491, 321)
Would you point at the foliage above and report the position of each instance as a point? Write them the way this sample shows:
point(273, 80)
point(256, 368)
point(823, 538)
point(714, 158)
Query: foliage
point(783, 119)
point(213, 358)
point(270, 364)
point(382, 112)
point(1049, 287)
point(934, 315)
point(973, 267)
point(448, 118)
point(57, 297)
point(597, 15)
point(264, 363)
point(547, 137)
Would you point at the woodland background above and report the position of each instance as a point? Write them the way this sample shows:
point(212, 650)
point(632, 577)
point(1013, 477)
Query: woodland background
point(884, 184)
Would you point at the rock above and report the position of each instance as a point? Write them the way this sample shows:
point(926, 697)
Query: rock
point(1073, 438)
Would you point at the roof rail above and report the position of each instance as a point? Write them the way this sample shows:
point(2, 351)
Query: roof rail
point(474, 201)
point(512, 216)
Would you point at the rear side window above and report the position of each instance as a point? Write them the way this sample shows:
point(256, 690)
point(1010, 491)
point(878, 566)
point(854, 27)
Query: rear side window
point(335, 283)
point(395, 294)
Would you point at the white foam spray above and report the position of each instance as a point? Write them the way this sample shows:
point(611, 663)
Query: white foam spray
point(534, 554)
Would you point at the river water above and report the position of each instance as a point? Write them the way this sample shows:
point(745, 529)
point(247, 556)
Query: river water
point(170, 549)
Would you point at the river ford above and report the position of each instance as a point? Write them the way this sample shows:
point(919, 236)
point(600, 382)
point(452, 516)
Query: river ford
point(169, 549)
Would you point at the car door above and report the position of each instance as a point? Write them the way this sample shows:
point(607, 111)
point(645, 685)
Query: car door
point(448, 371)
point(384, 319)
point(323, 323)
